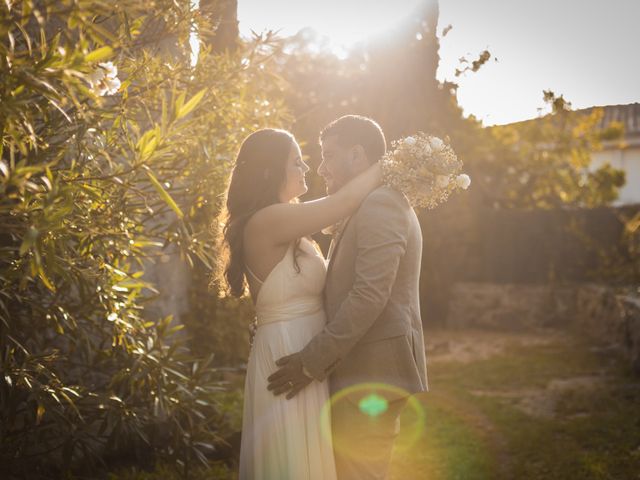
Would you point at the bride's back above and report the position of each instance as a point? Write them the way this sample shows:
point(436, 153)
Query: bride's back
point(290, 290)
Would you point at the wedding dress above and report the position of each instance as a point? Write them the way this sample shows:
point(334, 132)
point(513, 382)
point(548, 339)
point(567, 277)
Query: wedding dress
point(286, 439)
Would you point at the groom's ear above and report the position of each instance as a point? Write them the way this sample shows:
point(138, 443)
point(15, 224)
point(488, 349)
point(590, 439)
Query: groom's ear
point(358, 157)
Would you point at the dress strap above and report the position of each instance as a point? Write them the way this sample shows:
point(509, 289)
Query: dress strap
point(250, 272)
point(255, 277)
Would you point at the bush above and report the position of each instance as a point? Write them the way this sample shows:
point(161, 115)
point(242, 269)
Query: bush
point(93, 188)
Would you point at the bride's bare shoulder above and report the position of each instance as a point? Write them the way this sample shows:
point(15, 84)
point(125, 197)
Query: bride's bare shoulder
point(263, 218)
point(270, 217)
point(264, 223)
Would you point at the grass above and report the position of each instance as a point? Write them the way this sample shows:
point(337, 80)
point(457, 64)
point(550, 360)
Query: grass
point(453, 446)
point(564, 409)
point(549, 405)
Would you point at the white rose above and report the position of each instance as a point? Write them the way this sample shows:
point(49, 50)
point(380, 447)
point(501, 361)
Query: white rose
point(463, 181)
point(436, 143)
point(410, 141)
point(442, 181)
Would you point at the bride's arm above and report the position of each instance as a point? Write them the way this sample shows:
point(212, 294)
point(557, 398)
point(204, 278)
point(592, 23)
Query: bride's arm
point(284, 222)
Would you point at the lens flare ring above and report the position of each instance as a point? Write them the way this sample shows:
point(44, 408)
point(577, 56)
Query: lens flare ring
point(372, 400)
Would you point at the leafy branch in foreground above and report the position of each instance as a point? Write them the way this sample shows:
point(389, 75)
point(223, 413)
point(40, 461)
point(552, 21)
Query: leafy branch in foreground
point(98, 179)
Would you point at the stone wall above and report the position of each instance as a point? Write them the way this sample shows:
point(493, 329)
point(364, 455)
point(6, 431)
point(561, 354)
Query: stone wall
point(469, 242)
point(614, 317)
point(599, 311)
point(509, 306)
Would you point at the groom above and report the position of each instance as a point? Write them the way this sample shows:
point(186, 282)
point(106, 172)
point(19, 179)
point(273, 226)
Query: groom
point(372, 346)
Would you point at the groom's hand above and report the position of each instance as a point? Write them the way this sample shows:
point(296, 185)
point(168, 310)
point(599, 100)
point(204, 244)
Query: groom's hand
point(290, 377)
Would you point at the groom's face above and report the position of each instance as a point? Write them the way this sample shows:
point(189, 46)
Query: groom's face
point(336, 167)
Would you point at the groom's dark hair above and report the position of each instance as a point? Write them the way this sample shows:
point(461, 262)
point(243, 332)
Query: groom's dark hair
point(353, 130)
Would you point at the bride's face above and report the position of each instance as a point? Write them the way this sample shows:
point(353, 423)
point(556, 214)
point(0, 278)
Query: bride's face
point(295, 184)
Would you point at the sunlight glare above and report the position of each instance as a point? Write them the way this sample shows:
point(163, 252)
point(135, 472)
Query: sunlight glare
point(194, 41)
point(345, 23)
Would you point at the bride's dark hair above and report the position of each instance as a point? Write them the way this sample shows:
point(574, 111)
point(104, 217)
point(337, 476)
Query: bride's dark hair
point(258, 175)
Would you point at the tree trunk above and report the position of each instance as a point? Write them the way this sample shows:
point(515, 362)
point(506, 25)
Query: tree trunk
point(223, 15)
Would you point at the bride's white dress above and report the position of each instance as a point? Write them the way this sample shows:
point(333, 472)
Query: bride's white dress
point(286, 439)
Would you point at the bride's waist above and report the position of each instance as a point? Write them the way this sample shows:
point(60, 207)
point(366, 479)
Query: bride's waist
point(291, 311)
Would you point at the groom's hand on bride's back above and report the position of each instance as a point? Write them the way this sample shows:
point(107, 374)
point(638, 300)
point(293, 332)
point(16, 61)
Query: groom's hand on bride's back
point(290, 377)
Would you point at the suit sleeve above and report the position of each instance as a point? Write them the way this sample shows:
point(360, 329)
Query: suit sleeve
point(381, 236)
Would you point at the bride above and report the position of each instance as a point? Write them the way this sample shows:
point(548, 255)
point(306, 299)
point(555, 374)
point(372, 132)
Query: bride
point(266, 236)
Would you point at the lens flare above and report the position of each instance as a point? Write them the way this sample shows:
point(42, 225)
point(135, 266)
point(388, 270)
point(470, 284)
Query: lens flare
point(354, 416)
point(373, 405)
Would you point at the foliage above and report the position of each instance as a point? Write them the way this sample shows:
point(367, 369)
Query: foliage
point(545, 163)
point(390, 78)
point(93, 191)
point(618, 262)
point(483, 58)
point(217, 471)
point(542, 163)
point(218, 324)
point(631, 241)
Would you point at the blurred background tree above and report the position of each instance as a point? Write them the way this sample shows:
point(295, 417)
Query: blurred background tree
point(545, 163)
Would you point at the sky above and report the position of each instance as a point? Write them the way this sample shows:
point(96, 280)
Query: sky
point(586, 50)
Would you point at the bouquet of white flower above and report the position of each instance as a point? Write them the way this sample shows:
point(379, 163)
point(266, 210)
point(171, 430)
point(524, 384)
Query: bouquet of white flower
point(424, 168)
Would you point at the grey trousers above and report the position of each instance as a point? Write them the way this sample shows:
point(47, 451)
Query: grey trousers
point(362, 443)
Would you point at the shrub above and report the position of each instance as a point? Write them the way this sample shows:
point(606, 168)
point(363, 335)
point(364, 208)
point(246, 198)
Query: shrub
point(94, 187)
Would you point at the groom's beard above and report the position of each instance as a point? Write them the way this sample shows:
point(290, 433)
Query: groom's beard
point(330, 188)
point(336, 184)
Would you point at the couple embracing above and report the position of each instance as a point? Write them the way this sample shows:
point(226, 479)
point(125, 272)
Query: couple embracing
point(332, 335)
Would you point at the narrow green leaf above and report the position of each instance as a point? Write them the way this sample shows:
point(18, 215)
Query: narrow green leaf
point(191, 104)
point(100, 54)
point(165, 116)
point(45, 280)
point(180, 102)
point(148, 143)
point(29, 240)
point(164, 194)
point(39, 413)
point(148, 149)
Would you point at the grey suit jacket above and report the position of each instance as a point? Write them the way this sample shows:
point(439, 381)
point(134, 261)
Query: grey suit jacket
point(374, 331)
